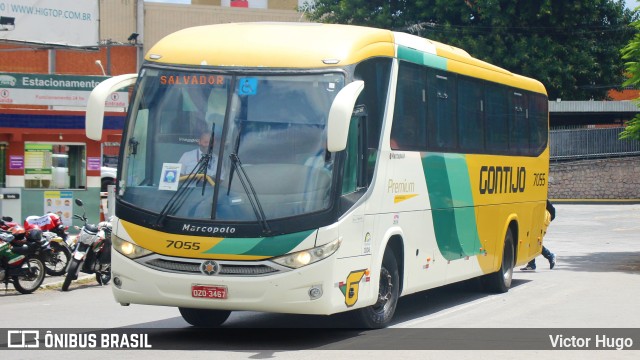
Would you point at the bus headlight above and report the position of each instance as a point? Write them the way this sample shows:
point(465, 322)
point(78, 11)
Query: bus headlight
point(306, 257)
point(130, 250)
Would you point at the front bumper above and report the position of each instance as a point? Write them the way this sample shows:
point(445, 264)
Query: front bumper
point(283, 292)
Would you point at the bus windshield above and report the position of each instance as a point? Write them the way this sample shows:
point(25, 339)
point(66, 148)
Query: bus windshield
point(205, 145)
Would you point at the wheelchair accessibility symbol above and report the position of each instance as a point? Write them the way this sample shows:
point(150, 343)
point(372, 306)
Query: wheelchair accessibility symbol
point(247, 86)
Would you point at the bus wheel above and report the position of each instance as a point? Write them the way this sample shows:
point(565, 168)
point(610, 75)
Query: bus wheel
point(204, 317)
point(379, 314)
point(500, 281)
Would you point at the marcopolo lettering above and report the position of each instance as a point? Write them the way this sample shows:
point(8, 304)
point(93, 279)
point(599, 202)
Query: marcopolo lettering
point(502, 179)
point(208, 229)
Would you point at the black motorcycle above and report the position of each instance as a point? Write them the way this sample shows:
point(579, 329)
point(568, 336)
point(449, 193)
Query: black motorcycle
point(19, 264)
point(92, 252)
point(54, 252)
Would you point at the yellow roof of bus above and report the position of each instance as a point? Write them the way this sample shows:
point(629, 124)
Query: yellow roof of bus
point(273, 45)
point(305, 45)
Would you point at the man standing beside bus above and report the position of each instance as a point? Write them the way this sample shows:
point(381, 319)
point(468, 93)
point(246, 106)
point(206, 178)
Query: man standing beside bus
point(549, 216)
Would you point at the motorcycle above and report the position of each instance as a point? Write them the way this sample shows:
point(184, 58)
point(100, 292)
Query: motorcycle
point(54, 252)
point(49, 222)
point(19, 265)
point(57, 252)
point(92, 252)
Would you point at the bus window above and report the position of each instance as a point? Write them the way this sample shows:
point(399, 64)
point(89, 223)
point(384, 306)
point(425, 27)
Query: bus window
point(538, 122)
point(519, 124)
point(375, 74)
point(352, 163)
point(470, 116)
point(496, 123)
point(441, 97)
point(408, 131)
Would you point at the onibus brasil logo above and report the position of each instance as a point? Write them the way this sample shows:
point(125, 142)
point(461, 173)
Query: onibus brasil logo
point(33, 339)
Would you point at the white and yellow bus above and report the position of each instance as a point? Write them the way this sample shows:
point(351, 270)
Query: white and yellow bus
point(351, 166)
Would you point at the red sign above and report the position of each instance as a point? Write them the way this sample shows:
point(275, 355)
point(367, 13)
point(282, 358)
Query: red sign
point(240, 3)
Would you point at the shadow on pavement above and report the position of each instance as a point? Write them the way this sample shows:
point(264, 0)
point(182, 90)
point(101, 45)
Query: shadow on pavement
point(626, 262)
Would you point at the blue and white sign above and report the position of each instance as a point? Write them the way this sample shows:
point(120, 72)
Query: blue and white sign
point(73, 23)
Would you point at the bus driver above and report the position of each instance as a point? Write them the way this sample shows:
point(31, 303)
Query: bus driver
point(190, 159)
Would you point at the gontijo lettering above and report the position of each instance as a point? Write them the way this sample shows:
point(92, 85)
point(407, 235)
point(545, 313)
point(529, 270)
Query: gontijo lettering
point(502, 179)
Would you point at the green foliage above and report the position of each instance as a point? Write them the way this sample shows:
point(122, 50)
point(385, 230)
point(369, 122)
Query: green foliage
point(571, 46)
point(631, 56)
point(632, 131)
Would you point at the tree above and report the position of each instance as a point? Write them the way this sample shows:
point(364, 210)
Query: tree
point(631, 53)
point(571, 46)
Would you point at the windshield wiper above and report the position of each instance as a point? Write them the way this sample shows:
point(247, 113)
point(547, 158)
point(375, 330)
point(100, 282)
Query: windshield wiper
point(206, 158)
point(179, 197)
point(251, 193)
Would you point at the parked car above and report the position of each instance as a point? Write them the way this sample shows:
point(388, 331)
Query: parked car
point(60, 166)
point(108, 177)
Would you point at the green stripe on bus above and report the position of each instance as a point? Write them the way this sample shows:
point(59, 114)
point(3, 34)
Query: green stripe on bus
point(269, 246)
point(444, 220)
point(422, 58)
point(462, 199)
point(451, 200)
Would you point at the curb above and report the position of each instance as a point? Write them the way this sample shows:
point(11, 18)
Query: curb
point(56, 284)
point(596, 201)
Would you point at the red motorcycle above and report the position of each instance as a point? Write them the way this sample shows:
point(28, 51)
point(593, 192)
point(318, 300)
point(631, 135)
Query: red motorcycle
point(54, 252)
point(48, 222)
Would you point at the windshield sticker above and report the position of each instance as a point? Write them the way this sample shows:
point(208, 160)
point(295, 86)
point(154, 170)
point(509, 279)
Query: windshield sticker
point(366, 246)
point(247, 86)
point(170, 175)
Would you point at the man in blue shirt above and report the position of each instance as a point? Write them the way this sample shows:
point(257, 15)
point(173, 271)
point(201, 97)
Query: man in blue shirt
point(190, 159)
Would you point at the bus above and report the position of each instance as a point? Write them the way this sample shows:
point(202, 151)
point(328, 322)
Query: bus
point(351, 166)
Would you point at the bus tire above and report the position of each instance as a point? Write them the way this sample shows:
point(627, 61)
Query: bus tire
point(500, 281)
point(379, 315)
point(204, 317)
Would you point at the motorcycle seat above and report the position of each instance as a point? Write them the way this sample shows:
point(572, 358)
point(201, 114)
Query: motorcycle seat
point(22, 249)
point(92, 228)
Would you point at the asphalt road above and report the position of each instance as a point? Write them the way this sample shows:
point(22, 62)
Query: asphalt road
point(595, 285)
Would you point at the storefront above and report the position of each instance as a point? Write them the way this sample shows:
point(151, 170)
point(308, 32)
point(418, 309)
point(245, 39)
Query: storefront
point(47, 162)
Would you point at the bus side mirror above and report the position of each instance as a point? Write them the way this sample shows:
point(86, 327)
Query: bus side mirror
point(96, 104)
point(340, 116)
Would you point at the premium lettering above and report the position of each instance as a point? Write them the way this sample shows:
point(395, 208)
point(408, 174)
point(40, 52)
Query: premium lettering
point(396, 187)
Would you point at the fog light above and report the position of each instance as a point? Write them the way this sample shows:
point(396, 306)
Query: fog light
point(315, 292)
point(117, 282)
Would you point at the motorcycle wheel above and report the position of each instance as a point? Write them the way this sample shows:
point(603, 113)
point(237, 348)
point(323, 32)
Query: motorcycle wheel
point(103, 278)
point(56, 259)
point(71, 274)
point(33, 277)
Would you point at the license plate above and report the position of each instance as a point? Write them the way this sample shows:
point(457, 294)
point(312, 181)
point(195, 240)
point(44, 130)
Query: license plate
point(209, 291)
